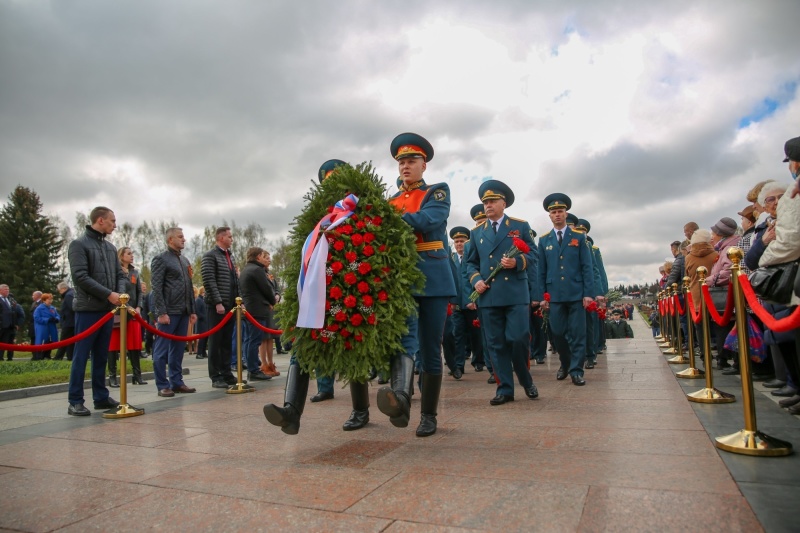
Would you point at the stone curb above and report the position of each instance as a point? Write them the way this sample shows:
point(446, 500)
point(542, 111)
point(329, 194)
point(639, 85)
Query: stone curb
point(30, 392)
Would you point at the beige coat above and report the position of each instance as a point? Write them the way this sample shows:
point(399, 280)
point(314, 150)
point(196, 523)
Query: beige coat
point(786, 246)
point(702, 254)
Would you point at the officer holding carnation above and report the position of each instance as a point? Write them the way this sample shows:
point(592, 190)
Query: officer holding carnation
point(498, 259)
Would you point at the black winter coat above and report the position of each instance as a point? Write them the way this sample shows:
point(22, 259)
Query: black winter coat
point(95, 271)
point(171, 281)
point(221, 283)
point(257, 292)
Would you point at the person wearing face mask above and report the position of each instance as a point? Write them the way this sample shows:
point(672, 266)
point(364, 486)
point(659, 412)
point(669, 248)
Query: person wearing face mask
point(785, 247)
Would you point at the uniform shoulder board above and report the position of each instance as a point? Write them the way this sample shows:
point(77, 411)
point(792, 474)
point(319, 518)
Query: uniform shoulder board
point(479, 226)
point(576, 230)
point(518, 219)
point(594, 247)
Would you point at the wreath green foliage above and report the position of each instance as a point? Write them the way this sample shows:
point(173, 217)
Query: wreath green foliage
point(371, 276)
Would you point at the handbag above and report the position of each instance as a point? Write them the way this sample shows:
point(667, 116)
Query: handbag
point(755, 338)
point(720, 297)
point(775, 283)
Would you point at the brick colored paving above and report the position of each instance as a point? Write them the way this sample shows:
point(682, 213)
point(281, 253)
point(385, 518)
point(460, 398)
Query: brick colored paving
point(626, 452)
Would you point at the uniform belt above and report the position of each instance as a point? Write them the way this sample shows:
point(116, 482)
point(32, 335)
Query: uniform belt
point(430, 245)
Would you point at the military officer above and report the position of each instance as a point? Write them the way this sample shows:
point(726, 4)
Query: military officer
point(565, 273)
point(599, 331)
point(477, 340)
point(538, 336)
point(425, 208)
point(591, 348)
point(505, 300)
point(456, 329)
point(617, 328)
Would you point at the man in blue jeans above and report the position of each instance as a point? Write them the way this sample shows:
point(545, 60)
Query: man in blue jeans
point(99, 280)
point(173, 306)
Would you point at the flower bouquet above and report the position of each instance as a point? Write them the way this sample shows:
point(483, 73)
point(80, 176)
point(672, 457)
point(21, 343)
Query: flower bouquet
point(519, 247)
point(546, 313)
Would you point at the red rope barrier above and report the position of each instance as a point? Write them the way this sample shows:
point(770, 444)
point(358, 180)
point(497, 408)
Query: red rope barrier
point(156, 331)
point(690, 306)
point(670, 306)
point(712, 310)
point(259, 326)
point(59, 344)
point(770, 322)
point(681, 310)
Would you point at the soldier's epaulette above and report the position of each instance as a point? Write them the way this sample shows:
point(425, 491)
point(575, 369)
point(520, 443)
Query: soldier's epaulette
point(517, 219)
point(479, 225)
point(576, 230)
point(595, 247)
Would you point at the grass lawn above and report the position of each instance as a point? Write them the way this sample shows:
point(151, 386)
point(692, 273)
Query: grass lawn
point(20, 374)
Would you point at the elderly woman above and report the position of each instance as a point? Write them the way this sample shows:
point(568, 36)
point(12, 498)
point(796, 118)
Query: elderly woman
point(764, 232)
point(45, 318)
point(785, 247)
point(723, 237)
point(701, 254)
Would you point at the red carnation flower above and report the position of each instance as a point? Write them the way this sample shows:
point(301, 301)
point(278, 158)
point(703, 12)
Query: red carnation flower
point(345, 333)
point(335, 293)
point(353, 217)
point(338, 246)
point(363, 287)
point(476, 323)
point(376, 220)
point(358, 337)
point(368, 251)
point(382, 248)
point(327, 305)
point(330, 256)
point(357, 239)
point(364, 268)
point(332, 327)
point(314, 334)
point(368, 207)
point(382, 296)
point(371, 319)
point(351, 257)
point(360, 225)
point(547, 297)
point(376, 279)
point(356, 319)
point(350, 278)
point(346, 229)
point(350, 301)
point(328, 280)
point(337, 267)
point(521, 245)
point(341, 316)
point(367, 300)
point(367, 219)
point(347, 345)
point(369, 237)
point(324, 340)
point(386, 269)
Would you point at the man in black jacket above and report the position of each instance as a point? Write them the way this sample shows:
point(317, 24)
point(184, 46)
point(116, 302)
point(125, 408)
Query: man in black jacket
point(99, 280)
point(173, 306)
point(67, 320)
point(11, 317)
point(222, 288)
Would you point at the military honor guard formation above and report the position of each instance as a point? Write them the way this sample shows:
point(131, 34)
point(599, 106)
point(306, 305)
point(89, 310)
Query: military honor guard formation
point(494, 299)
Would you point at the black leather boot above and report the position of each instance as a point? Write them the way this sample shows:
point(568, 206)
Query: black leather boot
point(294, 401)
point(112, 369)
point(395, 401)
point(431, 387)
point(136, 368)
point(359, 393)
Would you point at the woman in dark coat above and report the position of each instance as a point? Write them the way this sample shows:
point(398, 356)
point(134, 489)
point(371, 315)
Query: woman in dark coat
point(133, 287)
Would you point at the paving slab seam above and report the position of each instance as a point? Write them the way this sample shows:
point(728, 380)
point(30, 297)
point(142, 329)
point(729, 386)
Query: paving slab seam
point(399, 472)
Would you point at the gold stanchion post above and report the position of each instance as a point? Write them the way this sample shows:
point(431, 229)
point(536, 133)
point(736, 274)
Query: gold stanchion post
point(667, 326)
point(692, 372)
point(674, 342)
point(123, 410)
point(660, 337)
point(679, 359)
point(748, 441)
point(240, 386)
point(708, 394)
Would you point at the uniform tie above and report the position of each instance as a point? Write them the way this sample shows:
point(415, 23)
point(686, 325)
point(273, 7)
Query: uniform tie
point(560, 237)
point(494, 226)
point(228, 257)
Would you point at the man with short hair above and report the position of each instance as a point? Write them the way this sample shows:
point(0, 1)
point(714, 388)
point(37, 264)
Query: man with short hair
point(617, 328)
point(67, 320)
point(455, 337)
point(505, 301)
point(173, 305)
point(11, 317)
point(222, 287)
point(99, 280)
point(689, 229)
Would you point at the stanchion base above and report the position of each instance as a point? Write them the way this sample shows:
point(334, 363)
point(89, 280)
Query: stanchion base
point(707, 395)
point(672, 351)
point(691, 373)
point(754, 443)
point(123, 410)
point(659, 338)
point(665, 345)
point(678, 360)
point(240, 388)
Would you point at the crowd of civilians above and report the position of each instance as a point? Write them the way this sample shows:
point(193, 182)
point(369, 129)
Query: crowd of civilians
point(769, 234)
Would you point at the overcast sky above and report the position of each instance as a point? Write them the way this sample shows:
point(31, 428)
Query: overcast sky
point(647, 114)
